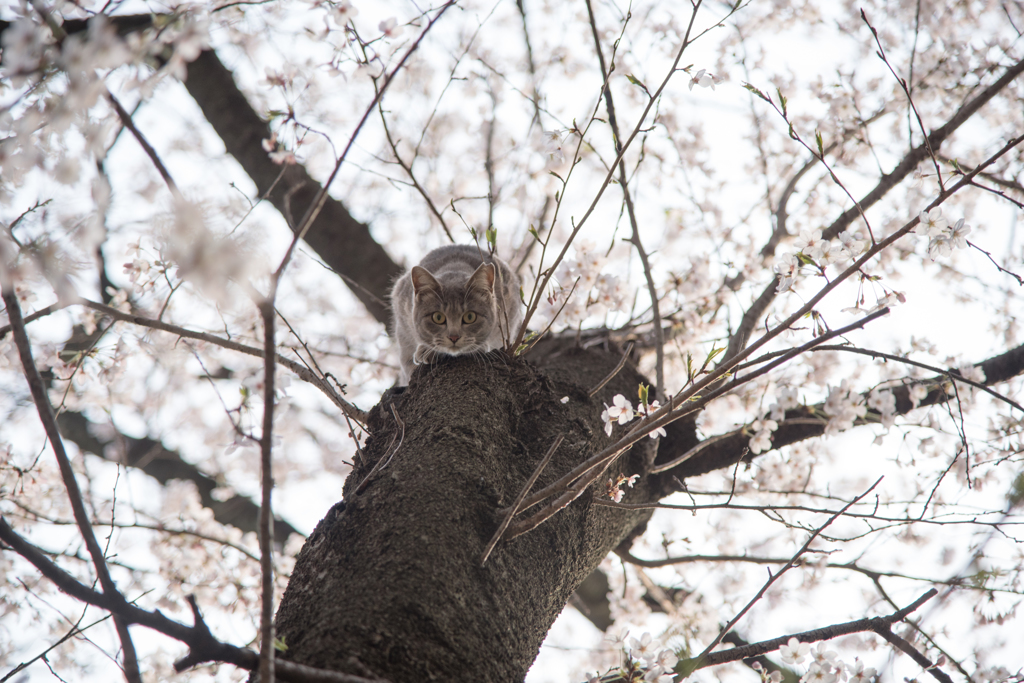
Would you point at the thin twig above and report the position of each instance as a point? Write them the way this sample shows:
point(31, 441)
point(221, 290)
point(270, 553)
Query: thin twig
point(318, 203)
point(299, 369)
point(266, 521)
point(938, 674)
point(611, 375)
point(542, 283)
point(664, 467)
point(41, 313)
point(910, 98)
point(774, 577)
point(948, 373)
point(126, 120)
point(571, 493)
point(519, 498)
point(905, 167)
point(659, 334)
point(388, 454)
point(412, 176)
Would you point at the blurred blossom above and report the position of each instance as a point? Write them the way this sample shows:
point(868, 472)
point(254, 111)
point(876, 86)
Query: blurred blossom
point(343, 12)
point(390, 28)
point(203, 257)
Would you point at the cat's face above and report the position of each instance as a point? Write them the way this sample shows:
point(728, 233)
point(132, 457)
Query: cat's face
point(454, 318)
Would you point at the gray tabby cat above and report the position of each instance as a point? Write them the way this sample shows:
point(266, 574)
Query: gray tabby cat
point(458, 300)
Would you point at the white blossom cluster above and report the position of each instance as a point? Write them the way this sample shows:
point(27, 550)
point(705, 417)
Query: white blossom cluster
point(767, 424)
point(621, 411)
point(704, 79)
point(843, 406)
point(842, 251)
point(613, 488)
point(975, 373)
point(884, 402)
point(825, 665)
point(29, 130)
point(943, 238)
point(646, 660)
point(583, 290)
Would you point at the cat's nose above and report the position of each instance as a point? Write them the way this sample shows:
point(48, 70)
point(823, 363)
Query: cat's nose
point(454, 337)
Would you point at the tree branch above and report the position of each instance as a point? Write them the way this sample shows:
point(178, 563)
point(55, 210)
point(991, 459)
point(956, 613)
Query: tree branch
point(796, 427)
point(786, 567)
point(888, 181)
point(825, 633)
point(659, 335)
point(302, 371)
point(46, 416)
point(203, 646)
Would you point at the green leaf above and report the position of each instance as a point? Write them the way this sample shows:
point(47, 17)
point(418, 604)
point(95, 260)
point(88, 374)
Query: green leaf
point(492, 237)
point(821, 147)
point(783, 101)
point(280, 645)
point(642, 393)
point(712, 354)
point(522, 296)
point(637, 83)
point(757, 92)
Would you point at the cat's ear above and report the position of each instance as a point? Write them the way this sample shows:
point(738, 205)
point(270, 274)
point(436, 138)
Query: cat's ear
point(483, 277)
point(422, 279)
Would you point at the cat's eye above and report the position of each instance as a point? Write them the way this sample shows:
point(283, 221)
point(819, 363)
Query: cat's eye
point(469, 318)
point(438, 317)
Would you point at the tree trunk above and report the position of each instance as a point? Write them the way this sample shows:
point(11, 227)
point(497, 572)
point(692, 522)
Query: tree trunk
point(390, 582)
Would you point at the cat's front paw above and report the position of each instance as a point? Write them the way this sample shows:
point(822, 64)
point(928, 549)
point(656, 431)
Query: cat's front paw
point(423, 354)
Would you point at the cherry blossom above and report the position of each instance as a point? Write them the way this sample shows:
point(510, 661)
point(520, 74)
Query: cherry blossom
point(704, 79)
point(793, 652)
point(621, 411)
point(818, 674)
point(932, 223)
point(861, 674)
point(958, 234)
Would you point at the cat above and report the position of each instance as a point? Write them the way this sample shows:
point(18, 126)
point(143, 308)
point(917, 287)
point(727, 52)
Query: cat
point(458, 300)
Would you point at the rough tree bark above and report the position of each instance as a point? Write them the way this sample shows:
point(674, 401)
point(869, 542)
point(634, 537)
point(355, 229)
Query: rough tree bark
point(391, 583)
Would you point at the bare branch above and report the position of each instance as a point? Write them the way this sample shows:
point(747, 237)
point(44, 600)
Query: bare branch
point(659, 334)
point(611, 375)
point(888, 181)
point(826, 633)
point(203, 646)
point(49, 421)
point(268, 314)
point(786, 567)
point(303, 372)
